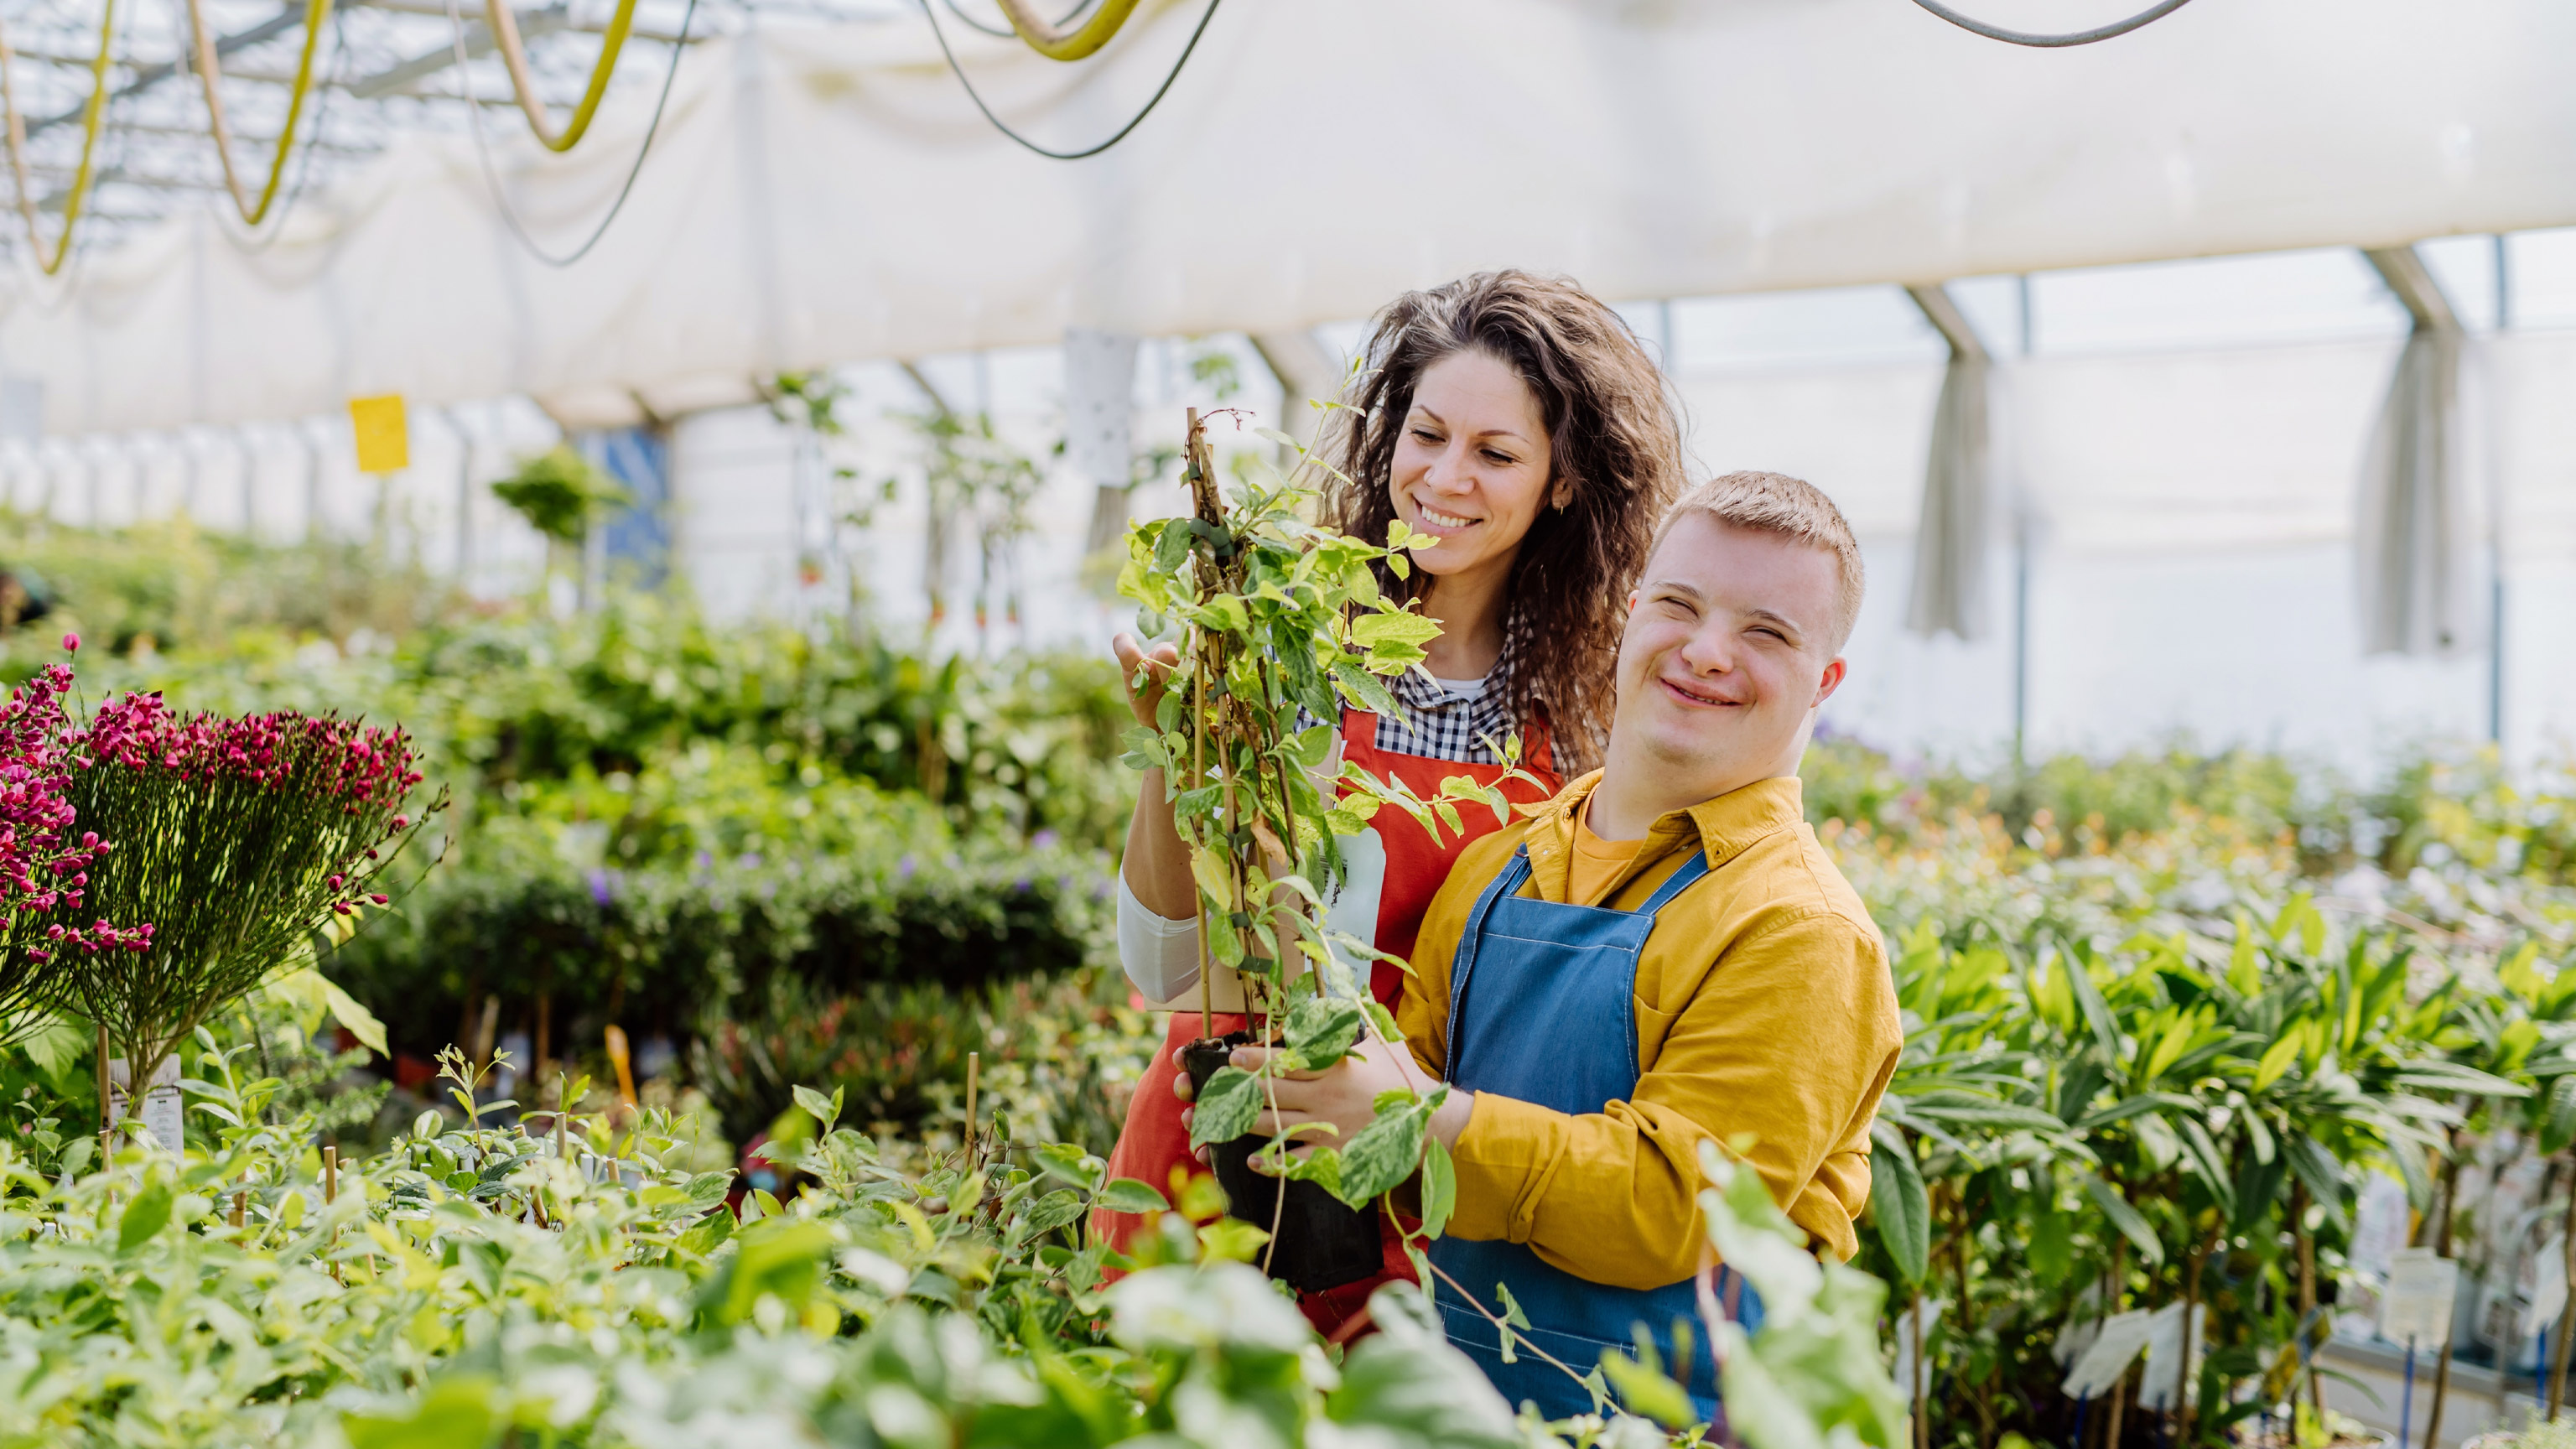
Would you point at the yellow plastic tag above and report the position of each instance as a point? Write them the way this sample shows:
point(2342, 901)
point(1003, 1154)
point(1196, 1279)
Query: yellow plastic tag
point(384, 439)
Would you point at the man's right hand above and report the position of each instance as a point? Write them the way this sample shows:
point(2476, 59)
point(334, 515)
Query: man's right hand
point(1157, 663)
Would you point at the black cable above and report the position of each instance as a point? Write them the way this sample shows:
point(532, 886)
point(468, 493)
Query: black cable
point(492, 178)
point(2072, 37)
point(1004, 32)
point(1121, 134)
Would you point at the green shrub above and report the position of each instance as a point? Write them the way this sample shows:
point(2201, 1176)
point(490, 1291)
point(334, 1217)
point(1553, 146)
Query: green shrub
point(170, 587)
point(658, 948)
point(472, 1287)
point(1058, 1060)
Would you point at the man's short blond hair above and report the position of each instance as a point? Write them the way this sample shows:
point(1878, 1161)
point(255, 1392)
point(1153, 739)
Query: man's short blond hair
point(1790, 508)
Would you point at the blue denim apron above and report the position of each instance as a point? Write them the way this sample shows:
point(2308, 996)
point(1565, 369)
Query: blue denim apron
point(1542, 1007)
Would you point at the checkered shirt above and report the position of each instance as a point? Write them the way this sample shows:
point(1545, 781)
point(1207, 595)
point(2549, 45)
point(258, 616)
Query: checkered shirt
point(1440, 723)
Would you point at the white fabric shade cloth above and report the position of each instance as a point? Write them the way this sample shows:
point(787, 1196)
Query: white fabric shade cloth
point(2412, 534)
point(1949, 593)
point(822, 195)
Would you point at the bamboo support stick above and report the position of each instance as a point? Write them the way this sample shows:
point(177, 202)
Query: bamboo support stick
point(2307, 1296)
point(2185, 1395)
point(1922, 1413)
point(106, 1121)
point(2567, 1314)
point(974, 1134)
point(2442, 1249)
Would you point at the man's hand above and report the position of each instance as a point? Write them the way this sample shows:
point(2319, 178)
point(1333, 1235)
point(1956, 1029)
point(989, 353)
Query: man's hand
point(1342, 1098)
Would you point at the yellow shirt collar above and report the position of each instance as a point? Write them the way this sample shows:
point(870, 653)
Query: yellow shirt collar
point(1723, 827)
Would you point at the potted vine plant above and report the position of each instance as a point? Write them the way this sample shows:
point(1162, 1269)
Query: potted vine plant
point(239, 841)
point(1280, 622)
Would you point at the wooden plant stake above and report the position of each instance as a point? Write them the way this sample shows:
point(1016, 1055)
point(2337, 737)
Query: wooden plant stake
point(2566, 1315)
point(331, 1192)
point(2119, 1408)
point(2307, 1297)
point(974, 1133)
point(2442, 1249)
point(2185, 1385)
point(1922, 1415)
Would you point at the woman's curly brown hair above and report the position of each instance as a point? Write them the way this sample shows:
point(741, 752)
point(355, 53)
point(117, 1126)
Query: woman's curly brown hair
point(1615, 437)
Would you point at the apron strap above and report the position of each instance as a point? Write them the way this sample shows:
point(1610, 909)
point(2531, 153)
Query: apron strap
point(1680, 880)
point(1470, 940)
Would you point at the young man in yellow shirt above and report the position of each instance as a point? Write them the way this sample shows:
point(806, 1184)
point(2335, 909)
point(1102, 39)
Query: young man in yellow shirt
point(1662, 956)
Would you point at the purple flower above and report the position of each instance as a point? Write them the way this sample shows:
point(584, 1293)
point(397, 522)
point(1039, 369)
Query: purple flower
point(600, 891)
point(904, 868)
point(1043, 840)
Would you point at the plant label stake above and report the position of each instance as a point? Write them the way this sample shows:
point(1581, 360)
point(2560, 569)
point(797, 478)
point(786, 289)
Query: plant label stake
point(974, 1133)
point(617, 1057)
point(162, 1112)
point(2406, 1396)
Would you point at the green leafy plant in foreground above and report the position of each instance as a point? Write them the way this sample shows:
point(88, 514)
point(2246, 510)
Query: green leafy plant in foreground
point(565, 1284)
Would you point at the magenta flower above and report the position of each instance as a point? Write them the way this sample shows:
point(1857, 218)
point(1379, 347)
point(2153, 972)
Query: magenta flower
point(42, 869)
point(253, 832)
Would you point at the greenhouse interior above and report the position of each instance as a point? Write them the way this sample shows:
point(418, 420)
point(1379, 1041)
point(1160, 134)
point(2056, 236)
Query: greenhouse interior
point(815, 697)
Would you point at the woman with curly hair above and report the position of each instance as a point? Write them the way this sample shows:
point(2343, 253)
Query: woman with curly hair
point(1514, 422)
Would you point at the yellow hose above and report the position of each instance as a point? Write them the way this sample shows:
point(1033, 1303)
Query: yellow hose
point(1058, 44)
point(504, 23)
point(91, 117)
point(210, 70)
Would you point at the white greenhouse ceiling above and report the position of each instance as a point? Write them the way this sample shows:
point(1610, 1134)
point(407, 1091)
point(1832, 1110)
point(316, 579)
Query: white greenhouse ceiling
point(822, 190)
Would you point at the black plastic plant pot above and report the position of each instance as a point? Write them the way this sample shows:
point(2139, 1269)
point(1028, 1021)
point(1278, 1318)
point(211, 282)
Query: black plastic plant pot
point(1322, 1242)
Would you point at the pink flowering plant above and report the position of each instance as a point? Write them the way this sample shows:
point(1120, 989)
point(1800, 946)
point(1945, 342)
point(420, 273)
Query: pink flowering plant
point(45, 857)
point(238, 840)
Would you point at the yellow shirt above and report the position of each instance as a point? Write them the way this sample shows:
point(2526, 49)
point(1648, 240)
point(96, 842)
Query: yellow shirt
point(1764, 1008)
point(1596, 862)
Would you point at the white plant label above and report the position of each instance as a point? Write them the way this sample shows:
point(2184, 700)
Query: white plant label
point(2548, 1287)
point(2166, 1372)
point(2109, 1355)
point(2416, 1304)
point(163, 1115)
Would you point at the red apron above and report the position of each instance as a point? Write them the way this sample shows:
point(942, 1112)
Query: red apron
point(1154, 1146)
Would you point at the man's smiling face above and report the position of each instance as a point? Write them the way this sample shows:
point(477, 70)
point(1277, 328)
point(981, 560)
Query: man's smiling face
point(1730, 643)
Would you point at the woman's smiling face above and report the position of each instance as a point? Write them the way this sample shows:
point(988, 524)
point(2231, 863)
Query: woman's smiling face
point(1471, 466)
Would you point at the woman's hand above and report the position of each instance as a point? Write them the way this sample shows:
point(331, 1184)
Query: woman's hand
point(1158, 662)
point(1342, 1097)
point(1157, 867)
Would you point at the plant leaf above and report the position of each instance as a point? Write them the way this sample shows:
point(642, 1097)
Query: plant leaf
point(1383, 1154)
point(147, 1215)
point(2128, 1220)
point(1127, 1195)
point(1902, 1207)
point(1439, 1188)
point(1225, 1107)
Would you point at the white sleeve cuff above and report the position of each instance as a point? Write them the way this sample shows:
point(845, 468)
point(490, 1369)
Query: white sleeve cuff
point(1161, 957)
